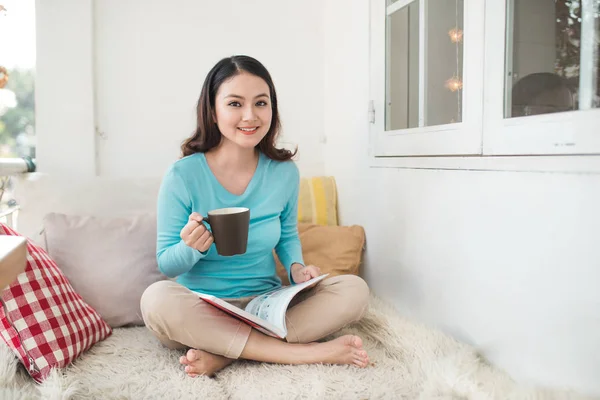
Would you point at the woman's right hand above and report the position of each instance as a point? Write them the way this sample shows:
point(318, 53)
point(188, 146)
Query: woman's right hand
point(195, 234)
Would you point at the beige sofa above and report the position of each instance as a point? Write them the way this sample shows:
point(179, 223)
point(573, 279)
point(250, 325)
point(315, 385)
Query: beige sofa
point(108, 199)
point(409, 360)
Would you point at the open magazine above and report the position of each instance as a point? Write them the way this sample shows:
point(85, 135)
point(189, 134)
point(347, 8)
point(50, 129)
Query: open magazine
point(266, 312)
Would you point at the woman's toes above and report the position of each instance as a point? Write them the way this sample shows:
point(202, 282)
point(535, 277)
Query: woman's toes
point(183, 360)
point(360, 354)
point(190, 371)
point(360, 363)
point(192, 355)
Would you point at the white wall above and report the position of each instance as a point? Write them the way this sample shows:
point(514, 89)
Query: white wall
point(506, 261)
point(64, 109)
point(149, 60)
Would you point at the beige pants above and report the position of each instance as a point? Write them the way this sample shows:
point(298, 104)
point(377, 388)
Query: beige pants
point(180, 319)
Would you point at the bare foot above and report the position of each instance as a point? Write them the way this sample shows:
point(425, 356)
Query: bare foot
point(343, 350)
point(199, 362)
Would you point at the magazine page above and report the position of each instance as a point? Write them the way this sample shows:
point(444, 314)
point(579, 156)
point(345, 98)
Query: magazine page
point(252, 320)
point(272, 306)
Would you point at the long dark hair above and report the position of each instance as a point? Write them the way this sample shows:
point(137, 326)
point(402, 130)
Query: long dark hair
point(207, 135)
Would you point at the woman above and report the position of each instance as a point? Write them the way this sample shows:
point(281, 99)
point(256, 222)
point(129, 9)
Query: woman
point(231, 161)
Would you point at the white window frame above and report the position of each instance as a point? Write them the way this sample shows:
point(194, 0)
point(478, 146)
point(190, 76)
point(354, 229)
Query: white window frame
point(463, 138)
point(484, 131)
point(570, 132)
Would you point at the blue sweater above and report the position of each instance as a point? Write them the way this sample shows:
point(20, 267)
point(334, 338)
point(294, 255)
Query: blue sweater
point(272, 197)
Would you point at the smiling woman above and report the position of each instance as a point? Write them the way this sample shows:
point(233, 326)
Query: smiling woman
point(239, 111)
point(238, 93)
point(231, 161)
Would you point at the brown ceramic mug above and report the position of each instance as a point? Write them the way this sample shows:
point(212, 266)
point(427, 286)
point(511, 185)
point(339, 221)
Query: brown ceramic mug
point(229, 229)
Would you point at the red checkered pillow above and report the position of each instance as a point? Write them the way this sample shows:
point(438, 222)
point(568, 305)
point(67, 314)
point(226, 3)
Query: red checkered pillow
point(43, 320)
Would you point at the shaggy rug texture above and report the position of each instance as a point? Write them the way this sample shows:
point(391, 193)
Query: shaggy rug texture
point(409, 361)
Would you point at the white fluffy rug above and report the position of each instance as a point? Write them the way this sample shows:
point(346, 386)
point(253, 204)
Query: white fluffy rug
point(410, 362)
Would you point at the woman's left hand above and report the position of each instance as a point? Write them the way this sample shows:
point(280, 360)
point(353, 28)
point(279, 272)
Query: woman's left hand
point(301, 273)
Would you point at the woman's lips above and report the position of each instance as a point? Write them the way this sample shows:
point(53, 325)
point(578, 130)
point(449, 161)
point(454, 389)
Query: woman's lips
point(248, 130)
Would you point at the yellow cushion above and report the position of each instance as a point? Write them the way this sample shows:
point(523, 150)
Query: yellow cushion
point(317, 201)
point(336, 250)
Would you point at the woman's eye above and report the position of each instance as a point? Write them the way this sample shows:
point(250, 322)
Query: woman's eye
point(235, 104)
point(261, 103)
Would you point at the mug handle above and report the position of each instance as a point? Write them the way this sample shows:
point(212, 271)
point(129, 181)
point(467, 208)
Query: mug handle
point(206, 219)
